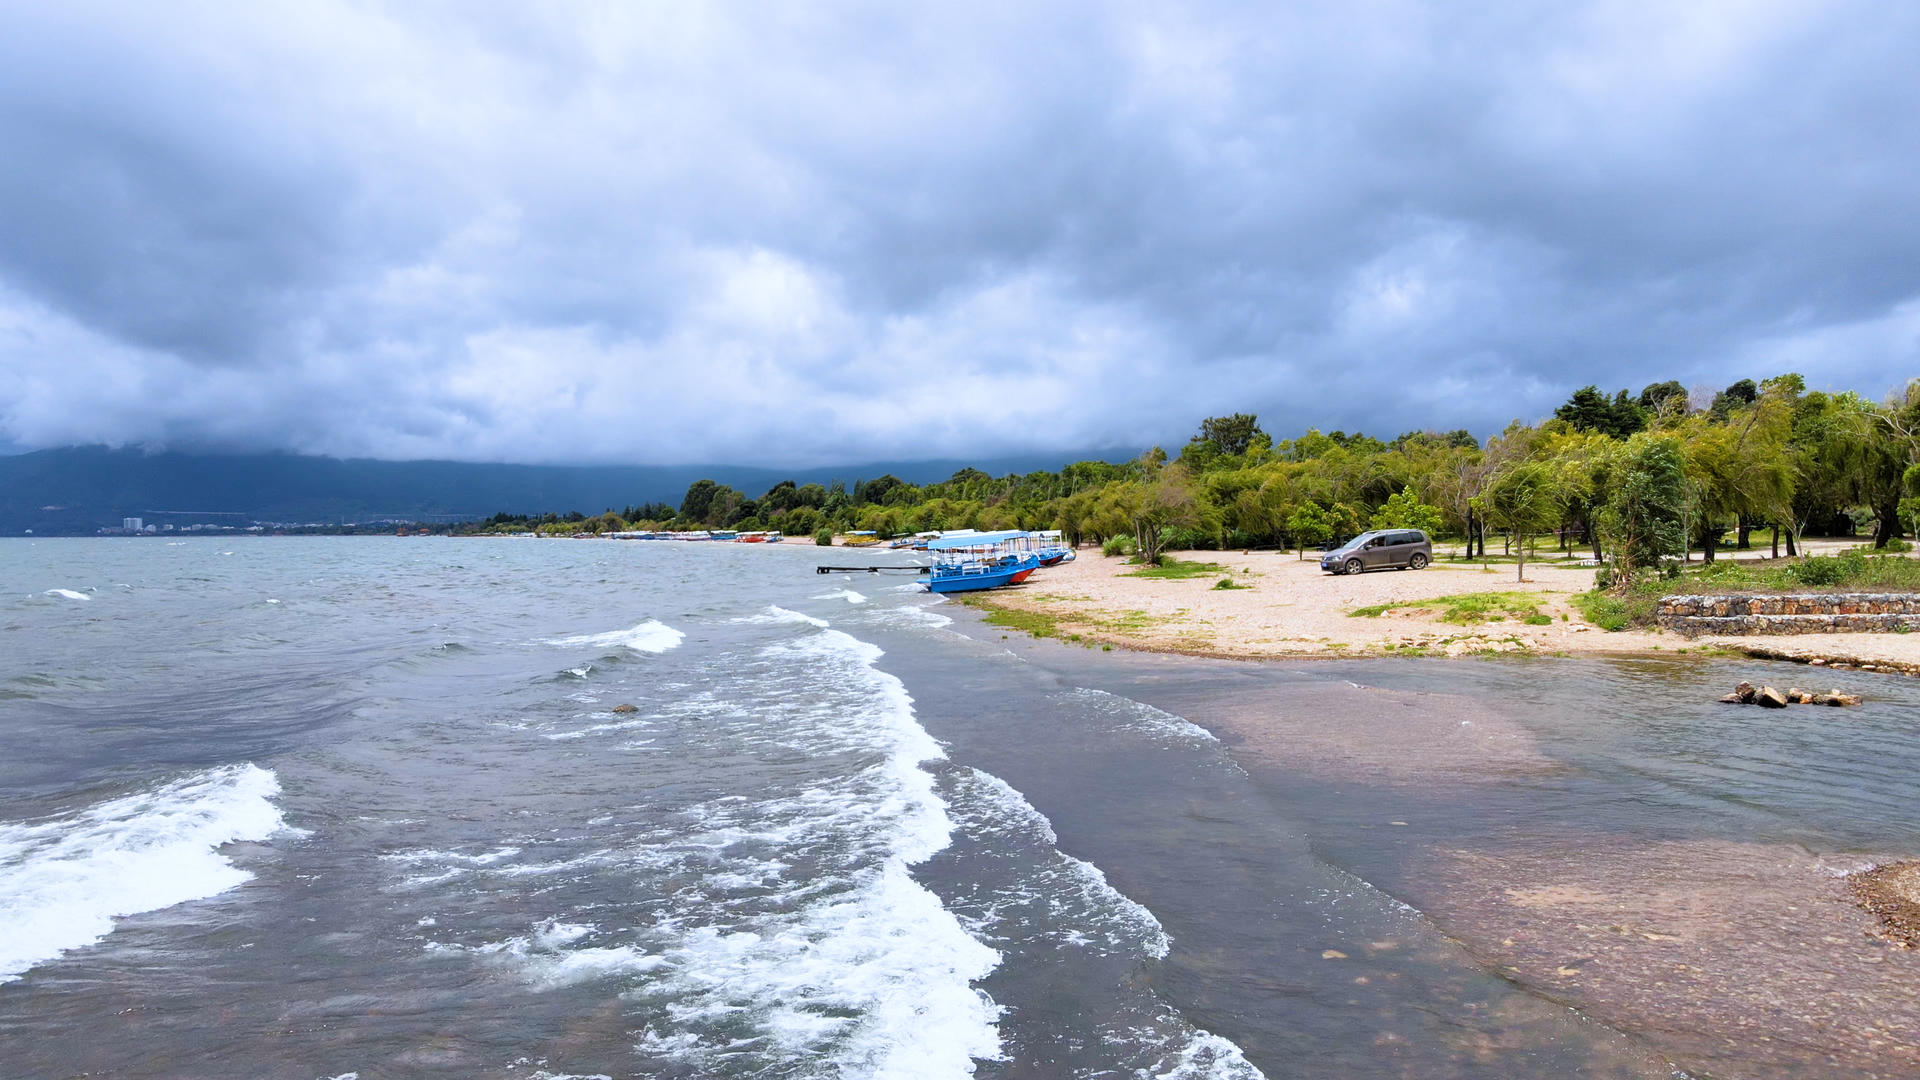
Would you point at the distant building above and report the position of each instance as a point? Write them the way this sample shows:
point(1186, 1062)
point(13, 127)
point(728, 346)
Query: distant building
point(132, 525)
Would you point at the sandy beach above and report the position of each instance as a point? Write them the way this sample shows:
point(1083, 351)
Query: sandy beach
point(1289, 609)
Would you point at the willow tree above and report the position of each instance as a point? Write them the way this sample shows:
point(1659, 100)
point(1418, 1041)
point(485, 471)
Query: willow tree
point(1644, 513)
point(1526, 498)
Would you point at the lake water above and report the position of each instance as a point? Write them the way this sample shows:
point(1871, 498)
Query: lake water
point(330, 806)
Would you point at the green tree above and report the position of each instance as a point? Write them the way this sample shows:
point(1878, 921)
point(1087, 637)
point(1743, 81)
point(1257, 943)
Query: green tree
point(1661, 398)
point(1231, 435)
point(1590, 410)
point(699, 500)
point(1309, 526)
point(1525, 499)
point(1403, 510)
point(1744, 392)
point(1644, 514)
point(1168, 500)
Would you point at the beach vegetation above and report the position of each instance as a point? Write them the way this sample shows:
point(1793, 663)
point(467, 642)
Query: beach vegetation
point(1171, 569)
point(1525, 497)
point(1117, 546)
point(1636, 481)
point(1468, 609)
point(1229, 583)
point(824, 537)
point(1034, 623)
point(1855, 569)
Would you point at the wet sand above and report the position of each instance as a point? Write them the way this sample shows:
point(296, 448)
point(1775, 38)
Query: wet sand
point(1733, 955)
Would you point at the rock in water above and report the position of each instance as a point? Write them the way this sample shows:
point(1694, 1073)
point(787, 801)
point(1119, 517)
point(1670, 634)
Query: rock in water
point(626, 708)
point(1769, 698)
point(1745, 693)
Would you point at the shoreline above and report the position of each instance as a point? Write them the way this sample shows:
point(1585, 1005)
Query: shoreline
point(1732, 950)
point(1284, 608)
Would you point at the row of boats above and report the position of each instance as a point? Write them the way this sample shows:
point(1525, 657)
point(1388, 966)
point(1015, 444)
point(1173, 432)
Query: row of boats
point(725, 535)
point(972, 561)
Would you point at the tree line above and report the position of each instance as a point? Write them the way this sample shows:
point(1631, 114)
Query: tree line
point(1638, 479)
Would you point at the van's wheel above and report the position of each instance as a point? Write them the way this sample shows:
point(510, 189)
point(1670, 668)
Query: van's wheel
point(1355, 566)
point(1419, 560)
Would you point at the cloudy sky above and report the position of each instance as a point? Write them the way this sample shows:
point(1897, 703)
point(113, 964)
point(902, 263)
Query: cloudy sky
point(821, 232)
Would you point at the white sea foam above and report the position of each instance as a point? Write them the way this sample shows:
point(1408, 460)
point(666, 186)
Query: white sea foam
point(423, 855)
point(67, 594)
point(887, 952)
point(1188, 1053)
point(855, 962)
point(64, 880)
point(918, 615)
point(1070, 891)
point(1143, 717)
point(777, 614)
point(652, 636)
point(602, 728)
point(848, 595)
point(544, 959)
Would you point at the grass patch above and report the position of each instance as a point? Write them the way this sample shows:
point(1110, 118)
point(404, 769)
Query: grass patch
point(1038, 624)
point(1850, 571)
point(1467, 609)
point(1173, 570)
point(1129, 622)
point(1228, 583)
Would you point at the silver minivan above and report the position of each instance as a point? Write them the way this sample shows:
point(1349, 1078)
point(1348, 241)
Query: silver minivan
point(1378, 550)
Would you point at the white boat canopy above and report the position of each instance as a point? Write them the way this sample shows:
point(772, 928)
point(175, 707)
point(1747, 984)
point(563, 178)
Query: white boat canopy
point(974, 540)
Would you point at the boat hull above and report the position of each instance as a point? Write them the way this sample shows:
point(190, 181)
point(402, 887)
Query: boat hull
point(975, 575)
point(991, 579)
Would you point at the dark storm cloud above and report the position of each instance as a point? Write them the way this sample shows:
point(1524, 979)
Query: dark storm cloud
point(613, 232)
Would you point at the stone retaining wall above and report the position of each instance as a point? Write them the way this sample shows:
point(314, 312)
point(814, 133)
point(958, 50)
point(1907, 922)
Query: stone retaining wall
point(1799, 613)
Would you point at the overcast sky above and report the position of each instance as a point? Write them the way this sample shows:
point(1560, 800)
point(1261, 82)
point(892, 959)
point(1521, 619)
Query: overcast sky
point(816, 233)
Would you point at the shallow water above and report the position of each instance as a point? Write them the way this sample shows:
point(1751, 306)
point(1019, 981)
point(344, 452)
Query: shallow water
point(307, 807)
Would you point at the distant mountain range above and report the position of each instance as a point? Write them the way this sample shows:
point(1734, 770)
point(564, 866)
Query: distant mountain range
point(79, 490)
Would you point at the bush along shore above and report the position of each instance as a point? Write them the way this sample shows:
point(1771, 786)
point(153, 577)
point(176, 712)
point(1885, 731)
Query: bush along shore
point(1636, 481)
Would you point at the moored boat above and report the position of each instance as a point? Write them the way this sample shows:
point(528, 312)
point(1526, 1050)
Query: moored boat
point(1052, 548)
point(978, 561)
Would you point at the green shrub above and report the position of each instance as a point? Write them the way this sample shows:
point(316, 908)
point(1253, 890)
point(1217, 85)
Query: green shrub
point(1171, 569)
point(824, 538)
point(1227, 583)
point(1897, 546)
point(1538, 620)
point(1604, 610)
point(1826, 570)
point(1117, 545)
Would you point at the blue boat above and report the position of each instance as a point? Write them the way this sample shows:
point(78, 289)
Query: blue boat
point(1052, 548)
point(976, 561)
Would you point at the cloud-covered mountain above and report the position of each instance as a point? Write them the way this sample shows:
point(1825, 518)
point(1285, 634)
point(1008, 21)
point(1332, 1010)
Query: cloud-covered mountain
point(83, 489)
